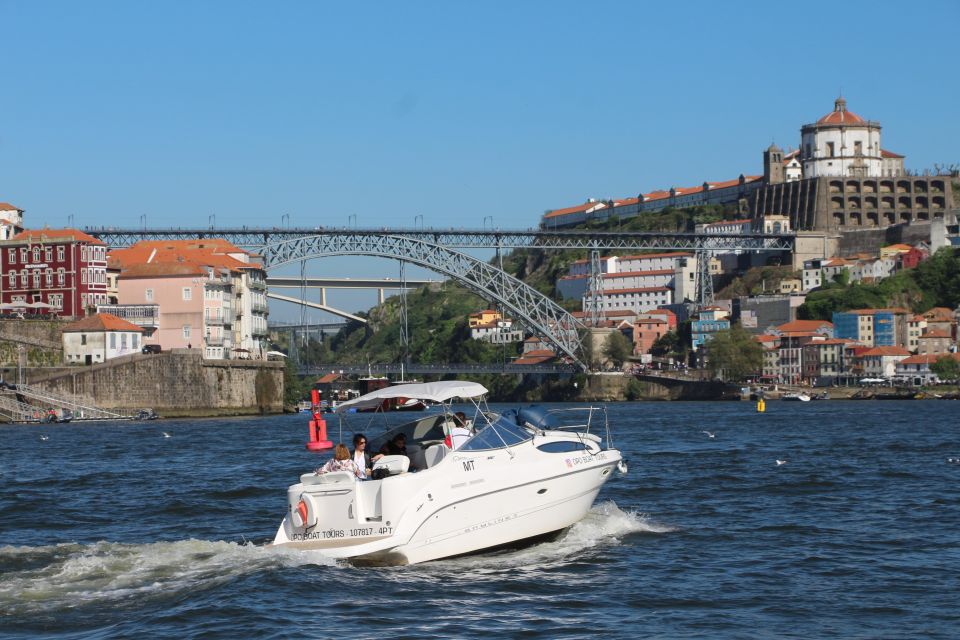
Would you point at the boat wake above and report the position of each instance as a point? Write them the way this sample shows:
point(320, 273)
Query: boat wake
point(38, 579)
point(604, 525)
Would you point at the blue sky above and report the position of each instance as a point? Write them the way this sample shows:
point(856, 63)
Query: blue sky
point(456, 111)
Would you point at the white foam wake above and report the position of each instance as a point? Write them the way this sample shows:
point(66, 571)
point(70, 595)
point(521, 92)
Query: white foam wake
point(71, 575)
point(604, 525)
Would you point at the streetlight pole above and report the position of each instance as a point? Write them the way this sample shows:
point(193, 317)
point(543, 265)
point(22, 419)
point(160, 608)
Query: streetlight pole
point(419, 217)
point(286, 217)
point(143, 220)
point(212, 220)
point(352, 220)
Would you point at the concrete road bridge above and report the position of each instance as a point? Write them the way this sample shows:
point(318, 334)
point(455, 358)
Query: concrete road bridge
point(441, 251)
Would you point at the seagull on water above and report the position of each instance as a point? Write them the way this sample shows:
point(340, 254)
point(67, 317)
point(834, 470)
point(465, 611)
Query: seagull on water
point(780, 462)
point(166, 435)
point(44, 438)
point(709, 435)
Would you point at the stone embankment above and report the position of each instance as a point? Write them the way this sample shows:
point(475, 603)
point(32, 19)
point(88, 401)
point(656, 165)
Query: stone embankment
point(174, 383)
point(612, 387)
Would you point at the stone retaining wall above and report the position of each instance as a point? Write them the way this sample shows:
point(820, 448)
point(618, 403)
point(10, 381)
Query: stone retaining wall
point(175, 383)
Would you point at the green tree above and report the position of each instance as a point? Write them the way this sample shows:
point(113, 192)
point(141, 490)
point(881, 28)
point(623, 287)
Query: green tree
point(733, 354)
point(947, 368)
point(667, 344)
point(617, 348)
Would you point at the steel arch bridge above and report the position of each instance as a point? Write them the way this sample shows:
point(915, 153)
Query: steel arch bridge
point(541, 313)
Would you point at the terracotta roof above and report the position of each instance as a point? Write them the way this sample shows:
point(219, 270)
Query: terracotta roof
point(53, 235)
point(575, 209)
point(936, 333)
point(939, 314)
point(653, 195)
point(886, 351)
point(928, 358)
point(162, 270)
point(101, 322)
point(890, 154)
point(899, 247)
point(840, 115)
point(804, 325)
point(6, 206)
point(327, 379)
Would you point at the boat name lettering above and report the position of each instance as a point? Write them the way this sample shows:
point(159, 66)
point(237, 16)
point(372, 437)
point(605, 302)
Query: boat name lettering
point(468, 465)
point(573, 462)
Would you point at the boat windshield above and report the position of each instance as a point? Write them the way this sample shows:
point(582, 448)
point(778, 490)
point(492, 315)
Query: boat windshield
point(502, 432)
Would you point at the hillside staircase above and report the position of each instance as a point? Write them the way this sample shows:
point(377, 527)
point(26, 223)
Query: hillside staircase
point(23, 403)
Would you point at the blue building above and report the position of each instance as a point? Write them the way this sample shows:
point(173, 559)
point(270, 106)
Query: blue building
point(872, 327)
point(711, 320)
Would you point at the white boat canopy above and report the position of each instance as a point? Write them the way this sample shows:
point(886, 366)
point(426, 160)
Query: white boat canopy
point(434, 391)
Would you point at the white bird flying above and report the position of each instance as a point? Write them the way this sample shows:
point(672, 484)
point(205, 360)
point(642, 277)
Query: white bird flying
point(166, 435)
point(780, 462)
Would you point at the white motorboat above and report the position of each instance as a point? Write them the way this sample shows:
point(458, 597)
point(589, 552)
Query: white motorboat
point(524, 474)
point(796, 397)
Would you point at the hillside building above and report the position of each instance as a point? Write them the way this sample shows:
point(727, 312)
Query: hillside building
point(55, 271)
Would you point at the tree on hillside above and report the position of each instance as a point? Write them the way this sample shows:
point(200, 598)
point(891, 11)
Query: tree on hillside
point(667, 344)
point(734, 354)
point(947, 368)
point(617, 348)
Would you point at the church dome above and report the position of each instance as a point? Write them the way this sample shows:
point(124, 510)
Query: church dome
point(840, 115)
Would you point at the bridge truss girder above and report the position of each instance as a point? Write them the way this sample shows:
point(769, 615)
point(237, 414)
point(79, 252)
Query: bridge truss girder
point(539, 312)
point(473, 239)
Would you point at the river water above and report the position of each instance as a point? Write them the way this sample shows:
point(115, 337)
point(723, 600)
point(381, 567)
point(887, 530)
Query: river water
point(113, 530)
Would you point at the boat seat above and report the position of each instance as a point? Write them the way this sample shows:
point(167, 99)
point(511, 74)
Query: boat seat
point(435, 454)
point(396, 464)
point(327, 478)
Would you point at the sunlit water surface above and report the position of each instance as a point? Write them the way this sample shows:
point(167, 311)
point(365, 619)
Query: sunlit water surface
point(113, 531)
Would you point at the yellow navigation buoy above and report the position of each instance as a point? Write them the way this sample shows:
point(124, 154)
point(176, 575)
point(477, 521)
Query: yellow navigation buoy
point(761, 406)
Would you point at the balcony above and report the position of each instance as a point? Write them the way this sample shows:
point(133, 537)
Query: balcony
point(214, 341)
point(142, 315)
point(258, 285)
point(259, 307)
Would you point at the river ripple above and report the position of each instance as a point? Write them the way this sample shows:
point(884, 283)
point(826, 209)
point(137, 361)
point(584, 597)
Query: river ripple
point(112, 531)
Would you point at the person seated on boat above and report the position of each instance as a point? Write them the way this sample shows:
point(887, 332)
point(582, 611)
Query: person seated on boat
point(362, 460)
point(397, 446)
point(341, 461)
point(461, 431)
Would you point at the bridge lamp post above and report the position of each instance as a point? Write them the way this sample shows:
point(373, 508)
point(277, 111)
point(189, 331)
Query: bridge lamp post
point(417, 217)
point(485, 218)
point(352, 220)
point(143, 220)
point(286, 217)
point(212, 220)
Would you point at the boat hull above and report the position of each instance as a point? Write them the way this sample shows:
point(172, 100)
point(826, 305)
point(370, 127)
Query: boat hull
point(455, 511)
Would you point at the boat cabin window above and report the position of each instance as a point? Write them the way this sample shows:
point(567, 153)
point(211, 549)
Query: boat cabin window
point(502, 432)
point(563, 446)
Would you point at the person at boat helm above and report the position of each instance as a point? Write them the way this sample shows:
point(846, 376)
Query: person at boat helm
point(362, 460)
point(397, 446)
point(341, 461)
point(460, 432)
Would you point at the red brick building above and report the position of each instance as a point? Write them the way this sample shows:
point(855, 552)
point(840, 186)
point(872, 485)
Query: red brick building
point(63, 268)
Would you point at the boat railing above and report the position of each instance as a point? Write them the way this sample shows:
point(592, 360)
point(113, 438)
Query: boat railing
point(596, 420)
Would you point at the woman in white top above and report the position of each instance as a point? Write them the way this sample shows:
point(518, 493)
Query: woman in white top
point(362, 460)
